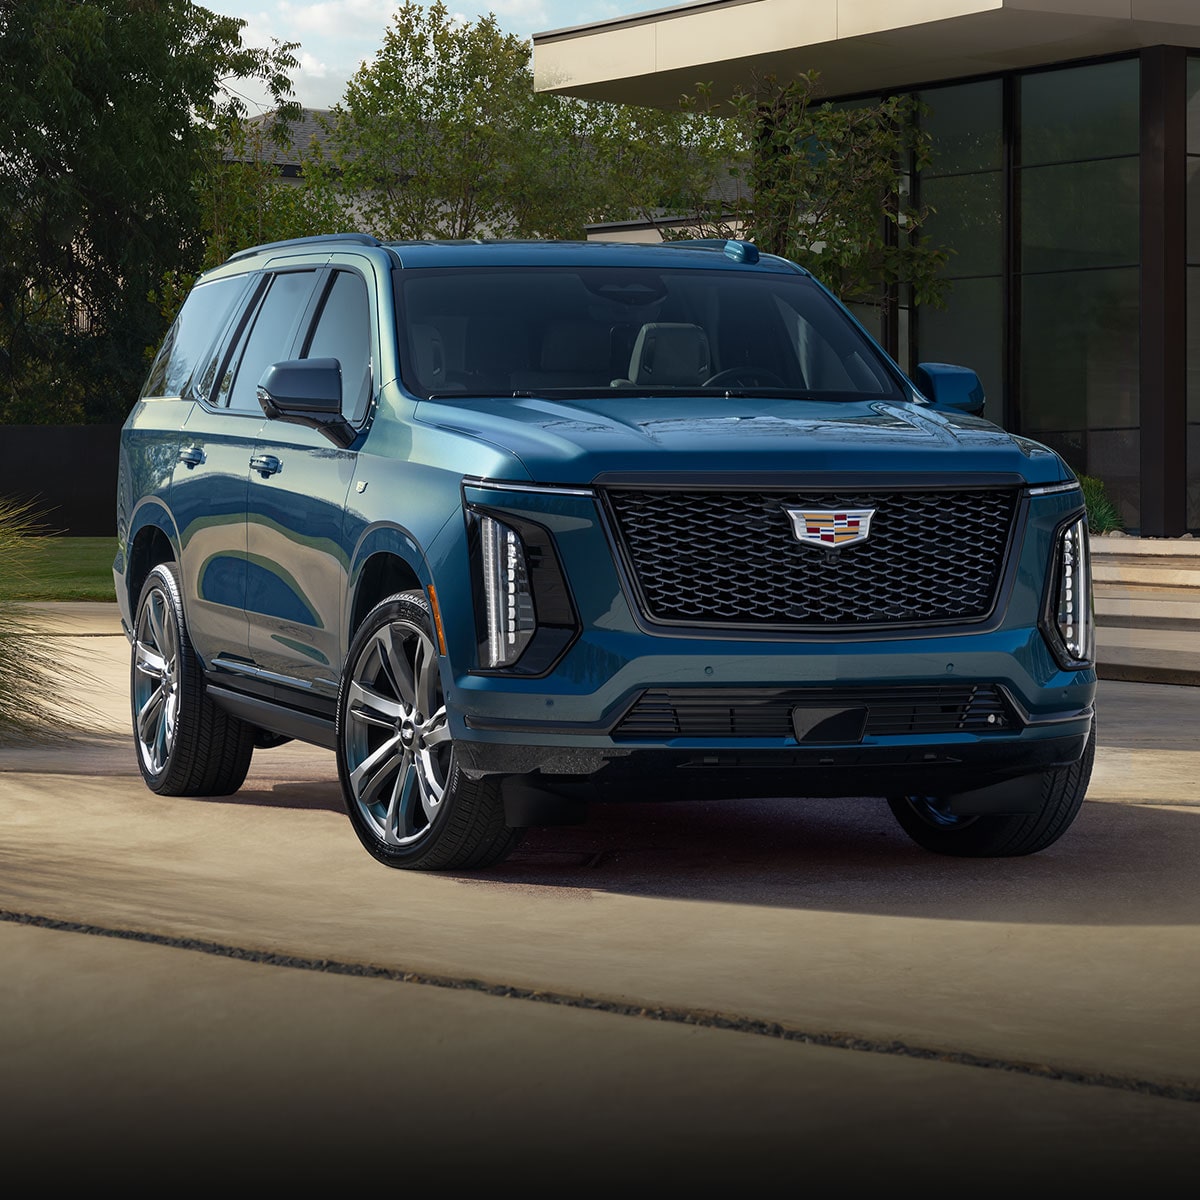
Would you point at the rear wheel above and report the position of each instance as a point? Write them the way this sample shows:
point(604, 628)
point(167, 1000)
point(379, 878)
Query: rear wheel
point(930, 823)
point(409, 802)
point(186, 745)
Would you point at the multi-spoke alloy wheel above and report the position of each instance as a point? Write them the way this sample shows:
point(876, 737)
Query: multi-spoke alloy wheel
point(186, 745)
point(408, 802)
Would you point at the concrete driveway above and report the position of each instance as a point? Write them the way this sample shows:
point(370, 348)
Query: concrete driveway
point(755, 994)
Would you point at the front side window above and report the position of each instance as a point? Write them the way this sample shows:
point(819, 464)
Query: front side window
point(652, 331)
point(270, 337)
point(343, 331)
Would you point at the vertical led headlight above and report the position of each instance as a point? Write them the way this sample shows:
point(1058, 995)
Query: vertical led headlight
point(511, 621)
point(1070, 614)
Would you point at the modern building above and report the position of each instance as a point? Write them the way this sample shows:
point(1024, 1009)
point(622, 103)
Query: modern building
point(1066, 179)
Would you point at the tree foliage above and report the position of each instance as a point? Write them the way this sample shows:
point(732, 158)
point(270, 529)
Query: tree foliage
point(109, 112)
point(828, 186)
point(128, 165)
point(443, 135)
point(243, 202)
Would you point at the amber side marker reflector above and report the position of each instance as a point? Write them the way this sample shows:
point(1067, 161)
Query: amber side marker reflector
point(437, 619)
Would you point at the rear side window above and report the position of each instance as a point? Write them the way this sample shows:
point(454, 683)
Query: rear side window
point(200, 321)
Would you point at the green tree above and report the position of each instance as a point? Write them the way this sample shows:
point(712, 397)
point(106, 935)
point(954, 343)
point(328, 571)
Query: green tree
point(443, 135)
point(828, 186)
point(429, 132)
point(660, 167)
point(243, 201)
point(109, 112)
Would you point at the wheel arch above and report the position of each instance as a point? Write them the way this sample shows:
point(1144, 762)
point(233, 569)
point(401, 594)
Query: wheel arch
point(152, 539)
point(387, 560)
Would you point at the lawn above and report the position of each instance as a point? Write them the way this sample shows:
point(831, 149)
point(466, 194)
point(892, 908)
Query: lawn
point(62, 568)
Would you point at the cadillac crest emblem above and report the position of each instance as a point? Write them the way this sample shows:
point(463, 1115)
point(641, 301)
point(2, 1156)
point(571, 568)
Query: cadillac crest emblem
point(830, 529)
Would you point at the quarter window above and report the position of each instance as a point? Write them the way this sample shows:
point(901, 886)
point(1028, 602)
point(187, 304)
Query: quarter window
point(197, 326)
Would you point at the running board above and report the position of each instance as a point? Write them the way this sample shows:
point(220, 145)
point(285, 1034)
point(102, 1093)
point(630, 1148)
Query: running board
point(290, 722)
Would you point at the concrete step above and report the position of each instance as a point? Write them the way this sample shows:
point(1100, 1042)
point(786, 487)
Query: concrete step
point(1156, 562)
point(1147, 597)
point(1148, 611)
point(1148, 655)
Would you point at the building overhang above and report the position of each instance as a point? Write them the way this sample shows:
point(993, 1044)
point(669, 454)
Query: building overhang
point(857, 46)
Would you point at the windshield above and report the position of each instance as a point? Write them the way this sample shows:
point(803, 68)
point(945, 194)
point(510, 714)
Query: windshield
point(575, 331)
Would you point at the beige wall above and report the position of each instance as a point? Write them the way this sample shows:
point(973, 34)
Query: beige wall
point(856, 45)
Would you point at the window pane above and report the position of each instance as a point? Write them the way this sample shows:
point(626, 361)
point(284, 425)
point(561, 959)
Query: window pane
point(1193, 347)
point(964, 124)
point(344, 332)
point(1193, 105)
point(969, 332)
point(1082, 215)
point(201, 319)
point(1193, 210)
point(1079, 374)
point(270, 340)
point(1079, 112)
point(1193, 397)
point(968, 221)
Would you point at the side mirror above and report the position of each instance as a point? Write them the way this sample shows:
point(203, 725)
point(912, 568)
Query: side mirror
point(956, 389)
point(307, 391)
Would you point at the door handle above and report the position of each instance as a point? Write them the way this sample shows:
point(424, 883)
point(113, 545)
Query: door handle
point(265, 464)
point(193, 456)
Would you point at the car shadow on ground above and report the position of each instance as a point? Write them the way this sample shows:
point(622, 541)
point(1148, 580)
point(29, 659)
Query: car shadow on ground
point(850, 855)
point(1129, 858)
point(1122, 861)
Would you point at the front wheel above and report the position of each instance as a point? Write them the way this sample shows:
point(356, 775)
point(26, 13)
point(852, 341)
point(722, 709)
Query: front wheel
point(930, 823)
point(409, 802)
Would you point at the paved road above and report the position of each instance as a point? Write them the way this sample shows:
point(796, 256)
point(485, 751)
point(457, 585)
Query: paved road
point(758, 994)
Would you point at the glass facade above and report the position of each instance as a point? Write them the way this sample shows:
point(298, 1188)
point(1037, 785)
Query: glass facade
point(1193, 294)
point(1036, 186)
point(1076, 185)
point(964, 186)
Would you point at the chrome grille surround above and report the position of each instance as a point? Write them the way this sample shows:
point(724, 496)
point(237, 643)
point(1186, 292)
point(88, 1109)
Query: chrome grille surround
point(727, 557)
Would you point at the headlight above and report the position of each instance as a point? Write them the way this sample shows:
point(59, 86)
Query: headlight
point(524, 615)
point(1069, 616)
point(511, 622)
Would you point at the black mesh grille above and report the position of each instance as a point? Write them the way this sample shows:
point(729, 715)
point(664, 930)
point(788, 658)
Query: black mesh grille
point(731, 557)
point(767, 713)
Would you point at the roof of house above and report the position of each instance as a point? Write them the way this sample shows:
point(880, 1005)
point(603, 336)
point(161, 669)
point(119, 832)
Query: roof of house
point(304, 133)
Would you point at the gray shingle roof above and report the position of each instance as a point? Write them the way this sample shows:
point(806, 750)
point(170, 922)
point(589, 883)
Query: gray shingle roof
point(304, 133)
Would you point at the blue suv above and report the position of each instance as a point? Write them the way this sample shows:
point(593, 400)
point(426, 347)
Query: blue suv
point(514, 526)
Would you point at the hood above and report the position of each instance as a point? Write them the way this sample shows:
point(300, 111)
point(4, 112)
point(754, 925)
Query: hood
point(574, 441)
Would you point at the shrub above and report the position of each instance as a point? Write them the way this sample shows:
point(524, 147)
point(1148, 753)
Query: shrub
point(1102, 513)
point(30, 672)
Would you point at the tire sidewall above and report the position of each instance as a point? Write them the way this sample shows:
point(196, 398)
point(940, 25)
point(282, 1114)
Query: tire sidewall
point(163, 578)
point(411, 608)
point(1063, 792)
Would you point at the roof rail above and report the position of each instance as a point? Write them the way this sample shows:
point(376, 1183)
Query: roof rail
point(735, 248)
point(357, 239)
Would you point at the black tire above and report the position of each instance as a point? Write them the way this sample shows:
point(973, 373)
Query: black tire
point(186, 745)
point(927, 821)
point(410, 804)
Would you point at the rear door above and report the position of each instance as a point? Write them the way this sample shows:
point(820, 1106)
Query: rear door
point(210, 485)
